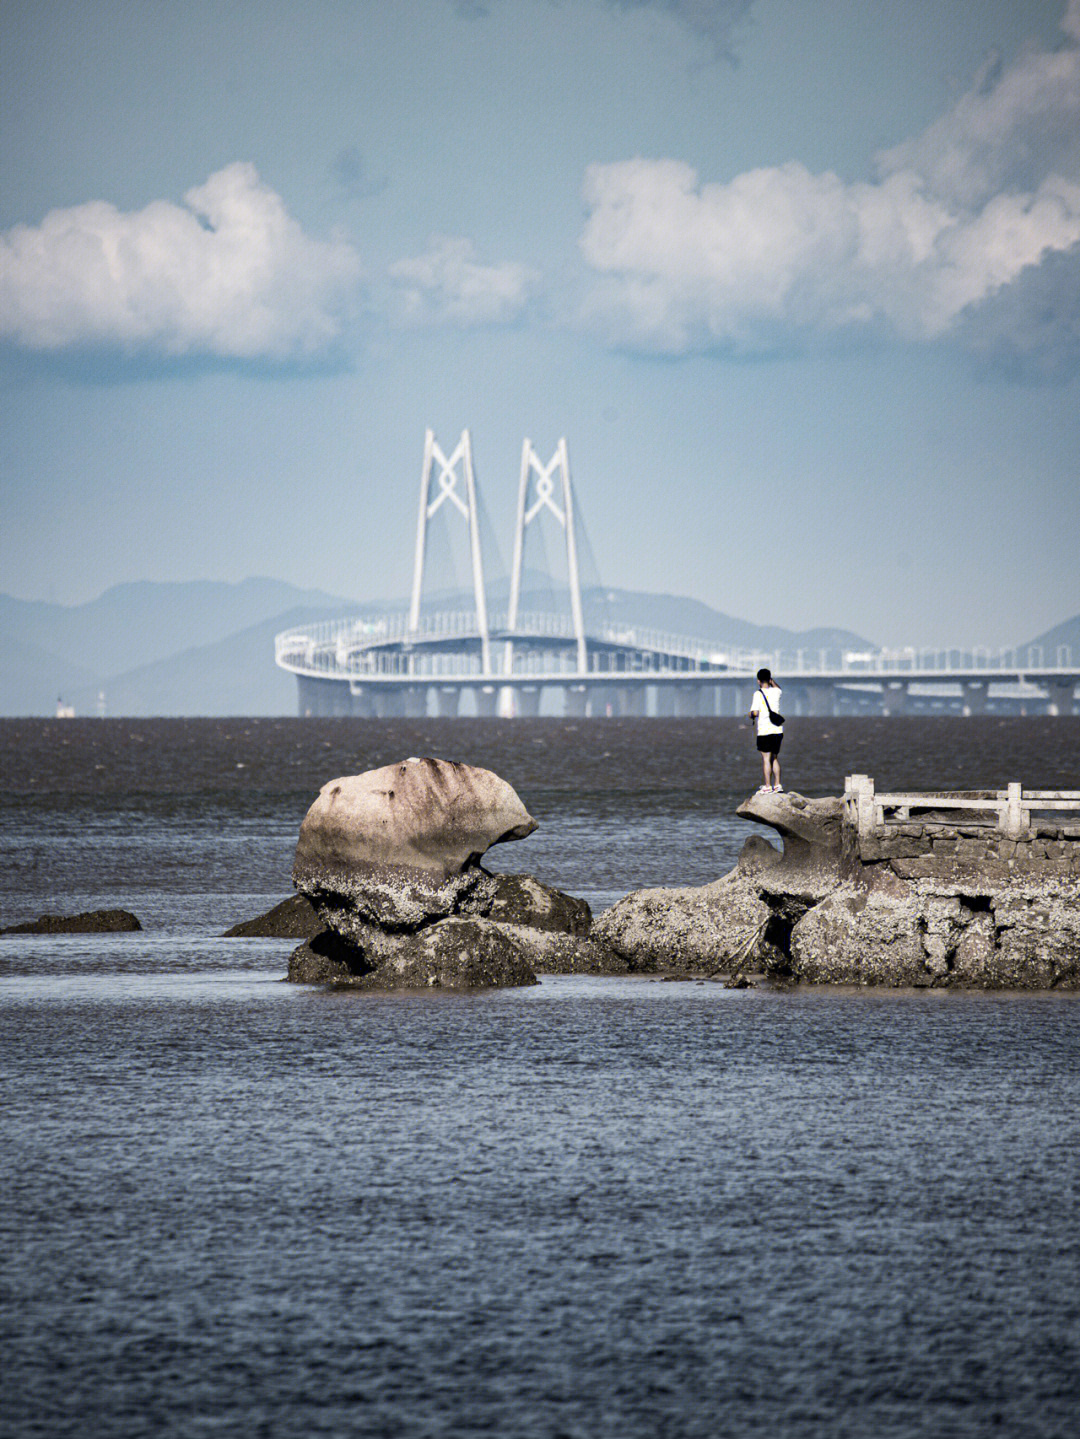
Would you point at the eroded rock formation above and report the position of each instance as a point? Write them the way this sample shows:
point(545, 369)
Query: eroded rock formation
point(390, 862)
point(941, 902)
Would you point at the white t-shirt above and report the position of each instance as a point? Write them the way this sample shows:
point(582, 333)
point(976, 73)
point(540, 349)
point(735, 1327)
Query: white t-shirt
point(757, 708)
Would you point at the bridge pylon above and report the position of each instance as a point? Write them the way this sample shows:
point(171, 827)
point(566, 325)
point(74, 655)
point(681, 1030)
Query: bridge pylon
point(536, 493)
point(450, 484)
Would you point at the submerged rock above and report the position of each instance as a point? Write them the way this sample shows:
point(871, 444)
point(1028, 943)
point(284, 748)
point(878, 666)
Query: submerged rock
point(293, 918)
point(94, 921)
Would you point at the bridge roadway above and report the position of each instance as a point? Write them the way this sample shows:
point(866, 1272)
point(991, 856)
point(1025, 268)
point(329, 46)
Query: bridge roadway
point(379, 666)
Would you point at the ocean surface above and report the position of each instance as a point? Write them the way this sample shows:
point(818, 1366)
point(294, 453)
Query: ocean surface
point(601, 1208)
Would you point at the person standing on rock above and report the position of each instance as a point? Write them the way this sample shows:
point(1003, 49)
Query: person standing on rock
point(770, 729)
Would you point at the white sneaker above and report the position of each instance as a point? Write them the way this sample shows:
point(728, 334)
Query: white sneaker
point(777, 788)
point(763, 789)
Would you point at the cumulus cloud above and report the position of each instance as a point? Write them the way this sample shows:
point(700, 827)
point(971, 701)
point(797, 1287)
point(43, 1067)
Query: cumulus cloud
point(954, 218)
point(229, 273)
point(447, 285)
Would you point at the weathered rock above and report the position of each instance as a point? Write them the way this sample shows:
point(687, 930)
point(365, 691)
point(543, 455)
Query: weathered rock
point(1013, 936)
point(390, 862)
point(94, 921)
point(431, 816)
point(293, 918)
point(550, 952)
point(809, 828)
point(523, 900)
point(743, 920)
point(921, 903)
point(454, 953)
point(713, 928)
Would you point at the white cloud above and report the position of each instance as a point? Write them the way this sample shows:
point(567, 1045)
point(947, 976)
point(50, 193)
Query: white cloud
point(955, 216)
point(230, 273)
point(448, 286)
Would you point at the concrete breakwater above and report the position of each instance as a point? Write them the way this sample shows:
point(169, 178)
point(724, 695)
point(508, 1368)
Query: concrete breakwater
point(970, 888)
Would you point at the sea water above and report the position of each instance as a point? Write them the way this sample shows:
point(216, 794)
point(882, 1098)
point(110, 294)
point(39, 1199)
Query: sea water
point(601, 1207)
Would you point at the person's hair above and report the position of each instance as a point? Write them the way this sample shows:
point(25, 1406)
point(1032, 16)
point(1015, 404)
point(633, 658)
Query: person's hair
point(764, 676)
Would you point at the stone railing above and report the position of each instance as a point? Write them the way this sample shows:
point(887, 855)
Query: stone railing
point(936, 834)
point(867, 811)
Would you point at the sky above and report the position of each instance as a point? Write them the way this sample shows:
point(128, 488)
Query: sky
point(797, 280)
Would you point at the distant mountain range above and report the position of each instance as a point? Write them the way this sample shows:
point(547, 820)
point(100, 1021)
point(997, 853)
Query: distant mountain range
point(207, 648)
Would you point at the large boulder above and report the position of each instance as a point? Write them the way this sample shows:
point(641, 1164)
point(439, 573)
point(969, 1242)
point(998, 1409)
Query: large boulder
point(429, 816)
point(389, 858)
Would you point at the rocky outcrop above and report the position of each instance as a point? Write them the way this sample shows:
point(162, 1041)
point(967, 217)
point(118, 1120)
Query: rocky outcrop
point(390, 863)
point(94, 921)
point(711, 929)
point(911, 905)
point(522, 900)
point(453, 953)
point(293, 918)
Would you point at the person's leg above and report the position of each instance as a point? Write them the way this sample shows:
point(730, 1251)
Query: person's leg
point(775, 781)
point(765, 761)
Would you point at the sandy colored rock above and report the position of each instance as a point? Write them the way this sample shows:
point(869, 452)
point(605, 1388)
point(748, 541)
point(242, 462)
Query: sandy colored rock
point(430, 816)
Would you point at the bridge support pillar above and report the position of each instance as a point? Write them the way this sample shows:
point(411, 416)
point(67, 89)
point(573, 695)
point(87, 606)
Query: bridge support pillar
point(1061, 697)
point(363, 704)
point(974, 701)
point(602, 701)
point(575, 701)
point(686, 701)
point(389, 703)
point(665, 701)
point(631, 700)
point(487, 701)
point(527, 700)
point(820, 700)
point(894, 697)
point(447, 701)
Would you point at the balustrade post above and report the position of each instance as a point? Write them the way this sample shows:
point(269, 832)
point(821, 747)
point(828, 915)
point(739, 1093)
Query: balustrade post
point(1012, 815)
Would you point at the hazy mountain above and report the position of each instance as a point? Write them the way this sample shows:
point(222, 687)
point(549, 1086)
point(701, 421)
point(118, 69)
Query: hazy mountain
point(1067, 633)
point(32, 679)
point(135, 624)
point(233, 676)
point(678, 615)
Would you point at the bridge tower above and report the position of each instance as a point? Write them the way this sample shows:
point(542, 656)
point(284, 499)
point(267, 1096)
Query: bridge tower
point(451, 483)
point(536, 493)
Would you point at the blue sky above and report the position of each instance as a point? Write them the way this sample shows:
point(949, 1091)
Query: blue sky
point(799, 281)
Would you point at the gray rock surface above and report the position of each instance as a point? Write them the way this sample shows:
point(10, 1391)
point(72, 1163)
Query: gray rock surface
point(454, 953)
point(929, 907)
point(293, 918)
point(94, 921)
point(708, 929)
point(523, 900)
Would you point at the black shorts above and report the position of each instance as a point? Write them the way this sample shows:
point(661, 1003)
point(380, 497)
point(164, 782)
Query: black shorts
point(769, 743)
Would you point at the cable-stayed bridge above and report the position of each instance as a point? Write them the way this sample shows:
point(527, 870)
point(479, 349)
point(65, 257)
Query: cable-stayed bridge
point(518, 661)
